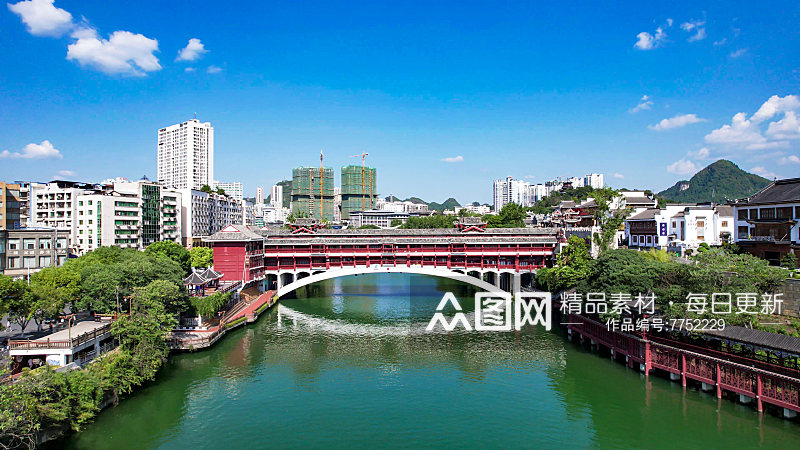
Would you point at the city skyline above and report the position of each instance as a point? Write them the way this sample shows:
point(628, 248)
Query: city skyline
point(645, 97)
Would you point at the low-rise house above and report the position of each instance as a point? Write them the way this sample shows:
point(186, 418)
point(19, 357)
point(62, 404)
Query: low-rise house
point(768, 223)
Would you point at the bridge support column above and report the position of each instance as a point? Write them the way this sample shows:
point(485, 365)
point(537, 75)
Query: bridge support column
point(516, 283)
point(497, 277)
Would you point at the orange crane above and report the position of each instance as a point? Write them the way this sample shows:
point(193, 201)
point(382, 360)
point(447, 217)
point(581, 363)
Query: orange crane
point(321, 190)
point(363, 181)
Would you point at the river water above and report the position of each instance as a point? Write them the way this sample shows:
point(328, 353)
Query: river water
point(349, 365)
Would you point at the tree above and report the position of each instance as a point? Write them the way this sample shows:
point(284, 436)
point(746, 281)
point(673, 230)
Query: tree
point(206, 188)
point(511, 215)
point(220, 191)
point(396, 223)
point(575, 263)
point(201, 257)
point(10, 290)
point(789, 261)
point(210, 305)
point(52, 289)
point(173, 251)
point(609, 221)
point(166, 293)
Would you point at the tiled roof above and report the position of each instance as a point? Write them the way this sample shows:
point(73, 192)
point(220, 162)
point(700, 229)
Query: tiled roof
point(781, 191)
point(759, 338)
point(647, 214)
point(639, 201)
point(235, 233)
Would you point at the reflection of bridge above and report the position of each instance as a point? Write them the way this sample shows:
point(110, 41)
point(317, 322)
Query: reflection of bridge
point(494, 258)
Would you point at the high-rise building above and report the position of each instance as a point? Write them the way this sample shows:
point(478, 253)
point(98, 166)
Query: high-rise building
point(186, 155)
point(511, 191)
point(204, 214)
point(359, 189)
point(276, 196)
point(312, 192)
point(259, 196)
point(9, 206)
point(233, 189)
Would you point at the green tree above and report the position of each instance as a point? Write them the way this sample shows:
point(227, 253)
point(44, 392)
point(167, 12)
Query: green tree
point(166, 293)
point(789, 261)
point(396, 223)
point(511, 215)
point(201, 257)
point(208, 306)
point(609, 221)
point(173, 251)
point(52, 289)
point(575, 264)
point(206, 188)
point(10, 291)
point(220, 191)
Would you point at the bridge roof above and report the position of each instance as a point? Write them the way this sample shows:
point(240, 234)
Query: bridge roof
point(430, 235)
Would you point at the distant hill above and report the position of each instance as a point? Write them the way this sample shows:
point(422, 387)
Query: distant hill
point(287, 193)
point(718, 182)
point(450, 203)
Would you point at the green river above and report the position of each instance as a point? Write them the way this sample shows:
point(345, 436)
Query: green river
point(349, 365)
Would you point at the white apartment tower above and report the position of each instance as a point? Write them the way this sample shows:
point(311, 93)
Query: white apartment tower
point(259, 196)
point(233, 189)
point(276, 196)
point(186, 155)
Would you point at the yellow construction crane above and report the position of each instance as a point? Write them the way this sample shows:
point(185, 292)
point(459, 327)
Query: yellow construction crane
point(363, 180)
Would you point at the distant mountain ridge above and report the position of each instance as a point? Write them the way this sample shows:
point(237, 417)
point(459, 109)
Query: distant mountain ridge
point(450, 203)
point(717, 182)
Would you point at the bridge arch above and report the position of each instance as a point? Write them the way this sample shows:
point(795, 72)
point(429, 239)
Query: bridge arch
point(299, 282)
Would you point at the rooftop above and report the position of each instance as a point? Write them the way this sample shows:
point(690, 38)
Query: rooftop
point(781, 191)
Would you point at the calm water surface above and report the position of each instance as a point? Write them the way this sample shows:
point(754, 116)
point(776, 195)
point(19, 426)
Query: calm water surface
point(348, 365)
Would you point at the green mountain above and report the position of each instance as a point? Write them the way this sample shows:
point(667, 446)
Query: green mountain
point(718, 182)
point(450, 203)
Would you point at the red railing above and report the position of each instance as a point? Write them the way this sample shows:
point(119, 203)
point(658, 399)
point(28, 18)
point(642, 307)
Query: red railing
point(27, 344)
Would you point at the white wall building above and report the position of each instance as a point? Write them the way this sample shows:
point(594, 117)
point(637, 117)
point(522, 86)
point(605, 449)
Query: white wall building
point(204, 214)
point(186, 155)
point(680, 227)
point(276, 196)
point(259, 196)
point(233, 189)
point(379, 218)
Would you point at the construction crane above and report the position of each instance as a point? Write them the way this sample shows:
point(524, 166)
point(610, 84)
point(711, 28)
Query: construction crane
point(363, 181)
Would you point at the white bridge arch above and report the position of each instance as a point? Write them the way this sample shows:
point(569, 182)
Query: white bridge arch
point(298, 280)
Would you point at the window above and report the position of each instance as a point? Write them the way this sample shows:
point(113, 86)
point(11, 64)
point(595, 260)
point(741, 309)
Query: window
point(44, 261)
point(701, 224)
point(29, 262)
point(744, 231)
point(13, 262)
point(13, 244)
point(674, 224)
point(45, 243)
point(62, 259)
point(784, 212)
point(767, 213)
point(80, 222)
point(753, 213)
point(724, 223)
point(701, 238)
point(29, 243)
point(90, 203)
point(61, 243)
point(80, 203)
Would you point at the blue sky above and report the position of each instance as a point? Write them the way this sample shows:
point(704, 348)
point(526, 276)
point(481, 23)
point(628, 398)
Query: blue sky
point(647, 93)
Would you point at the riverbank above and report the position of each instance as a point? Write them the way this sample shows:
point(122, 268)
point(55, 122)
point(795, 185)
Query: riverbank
point(724, 377)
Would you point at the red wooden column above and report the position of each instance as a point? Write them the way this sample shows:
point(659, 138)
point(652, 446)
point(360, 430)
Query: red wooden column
point(758, 393)
point(719, 382)
point(683, 370)
point(647, 358)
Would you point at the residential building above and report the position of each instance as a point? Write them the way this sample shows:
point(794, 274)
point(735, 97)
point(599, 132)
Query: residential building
point(680, 227)
point(359, 189)
point(276, 196)
point(160, 210)
point(54, 205)
point(398, 206)
point(593, 180)
point(511, 191)
point(259, 196)
point(186, 155)
point(474, 209)
point(312, 193)
point(203, 214)
point(768, 223)
point(337, 204)
point(233, 189)
point(28, 250)
point(379, 218)
point(9, 206)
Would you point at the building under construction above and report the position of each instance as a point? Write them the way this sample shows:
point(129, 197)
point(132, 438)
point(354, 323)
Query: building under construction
point(359, 189)
point(312, 193)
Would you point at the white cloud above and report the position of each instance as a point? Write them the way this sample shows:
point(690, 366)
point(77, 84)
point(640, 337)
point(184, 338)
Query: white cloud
point(738, 53)
point(676, 122)
point(682, 166)
point(791, 159)
point(669, 22)
point(697, 27)
point(776, 105)
point(123, 53)
point(760, 170)
point(189, 69)
point(45, 150)
point(66, 173)
point(214, 69)
point(618, 175)
point(644, 104)
point(741, 132)
point(722, 41)
point(453, 159)
point(703, 153)
point(647, 41)
point(42, 18)
point(193, 51)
